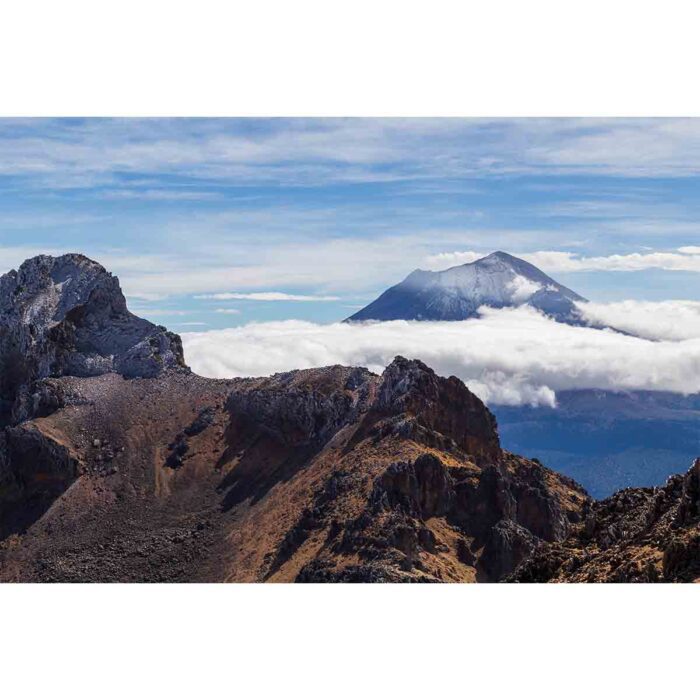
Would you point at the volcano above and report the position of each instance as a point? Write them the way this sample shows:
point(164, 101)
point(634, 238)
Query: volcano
point(499, 280)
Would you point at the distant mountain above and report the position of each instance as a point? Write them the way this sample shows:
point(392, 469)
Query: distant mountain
point(499, 280)
point(605, 440)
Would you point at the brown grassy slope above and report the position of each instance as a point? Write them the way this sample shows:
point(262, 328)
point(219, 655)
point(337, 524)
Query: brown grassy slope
point(332, 474)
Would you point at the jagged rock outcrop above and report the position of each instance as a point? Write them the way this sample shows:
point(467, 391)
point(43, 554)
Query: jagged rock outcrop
point(636, 535)
point(426, 520)
point(67, 316)
point(306, 406)
point(416, 398)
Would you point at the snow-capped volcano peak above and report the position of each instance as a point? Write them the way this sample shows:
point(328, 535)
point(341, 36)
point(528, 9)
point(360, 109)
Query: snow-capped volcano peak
point(497, 280)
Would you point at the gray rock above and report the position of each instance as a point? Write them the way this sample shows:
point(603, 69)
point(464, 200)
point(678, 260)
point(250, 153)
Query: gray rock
point(67, 316)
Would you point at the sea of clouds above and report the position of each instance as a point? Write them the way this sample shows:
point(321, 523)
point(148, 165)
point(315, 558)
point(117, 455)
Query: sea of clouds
point(507, 356)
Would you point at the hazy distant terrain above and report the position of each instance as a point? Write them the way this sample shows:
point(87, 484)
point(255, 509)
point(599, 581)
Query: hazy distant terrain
point(607, 440)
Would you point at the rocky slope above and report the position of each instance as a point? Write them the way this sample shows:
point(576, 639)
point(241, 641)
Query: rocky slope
point(121, 469)
point(497, 280)
point(124, 466)
point(637, 535)
point(306, 476)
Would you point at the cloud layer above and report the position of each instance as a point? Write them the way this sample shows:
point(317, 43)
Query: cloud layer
point(662, 320)
point(308, 151)
point(508, 356)
point(266, 296)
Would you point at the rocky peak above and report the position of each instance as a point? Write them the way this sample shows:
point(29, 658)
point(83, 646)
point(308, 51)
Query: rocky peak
point(44, 289)
point(67, 315)
point(410, 390)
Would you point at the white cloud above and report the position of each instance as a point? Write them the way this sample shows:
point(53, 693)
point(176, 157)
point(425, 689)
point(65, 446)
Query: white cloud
point(508, 356)
point(266, 296)
point(569, 262)
point(662, 320)
point(233, 312)
point(522, 289)
point(684, 259)
point(148, 312)
point(441, 261)
point(318, 151)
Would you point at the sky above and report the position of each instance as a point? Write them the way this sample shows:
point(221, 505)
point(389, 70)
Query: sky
point(213, 223)
point(254, 238)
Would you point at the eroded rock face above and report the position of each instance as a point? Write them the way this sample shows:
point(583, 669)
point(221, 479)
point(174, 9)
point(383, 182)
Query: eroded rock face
point(415, 398)
point(67, 316)
point(636, 535)
point(417, 518)
point(423, 488)
point(34, 469)
point(305, 407)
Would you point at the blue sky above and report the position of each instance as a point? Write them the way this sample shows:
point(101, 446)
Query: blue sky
point(316, 217)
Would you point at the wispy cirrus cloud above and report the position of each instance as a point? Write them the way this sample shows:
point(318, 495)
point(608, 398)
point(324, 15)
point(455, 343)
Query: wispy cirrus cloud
point(266, 296)
point(162, 195)
point(683, 259)
point(340, 207)
point(314, 151)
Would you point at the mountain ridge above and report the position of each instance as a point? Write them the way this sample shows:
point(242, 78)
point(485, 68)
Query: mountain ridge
point(144, 471)
point(329, 474)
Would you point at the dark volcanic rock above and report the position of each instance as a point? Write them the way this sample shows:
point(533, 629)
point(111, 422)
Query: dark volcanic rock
point(304, 407)
point(506, 546)
point(412, 393)
point(422, 488)
point(34, 470)
point(637, 535)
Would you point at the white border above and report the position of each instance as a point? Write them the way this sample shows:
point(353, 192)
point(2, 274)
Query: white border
point(368, 57)
point(362, 58)
point(345, 641)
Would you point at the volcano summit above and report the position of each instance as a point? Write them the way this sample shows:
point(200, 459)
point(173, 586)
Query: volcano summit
point(499, 280)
